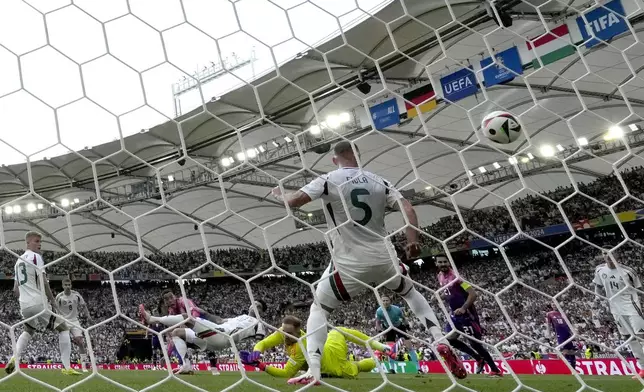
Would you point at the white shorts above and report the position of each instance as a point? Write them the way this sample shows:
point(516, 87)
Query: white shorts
point(212, 337)
point(47, 320)
point(207, 336)
point(74, 329)
point(629, 325)
point(349, 282)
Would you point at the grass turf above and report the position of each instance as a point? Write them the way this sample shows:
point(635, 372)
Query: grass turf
point(141, 379)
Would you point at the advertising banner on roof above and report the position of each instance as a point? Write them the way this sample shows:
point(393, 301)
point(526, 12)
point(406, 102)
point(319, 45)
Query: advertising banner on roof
point(459, 85)
point(508, 64)
point(604, 22)
point(385, 114)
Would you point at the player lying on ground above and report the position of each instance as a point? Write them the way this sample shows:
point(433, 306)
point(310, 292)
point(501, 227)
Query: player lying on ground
point(334, 361)
point(360, 252)
point(205, 334)
point(624, 305)
point(460, 297)
point(28, 283)
point(69, 304)
point(393, 335)
point(556, 323)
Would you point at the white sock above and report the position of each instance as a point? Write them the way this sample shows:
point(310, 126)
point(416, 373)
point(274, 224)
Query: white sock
point(22, 342)
point(316, 327)
point(182, 349)
point(166, 320)
point(638, 352)
point(83, 360)
point(65, 348)
point(420, 307)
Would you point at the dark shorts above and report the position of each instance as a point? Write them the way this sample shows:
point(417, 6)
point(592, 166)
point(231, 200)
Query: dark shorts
point(393, 335)
point(467, 326)
point(562, 337)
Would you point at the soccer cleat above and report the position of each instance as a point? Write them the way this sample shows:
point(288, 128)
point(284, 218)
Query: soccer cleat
point(453, 362)
point(71, 372)
point(215, 371)
point(85, 370)
point(304, 379)
point(11, 366)
point(496, 374)
point(641, 373)
point(480, 366)
point(143, 314)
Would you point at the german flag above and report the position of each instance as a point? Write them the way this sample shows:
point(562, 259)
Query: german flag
point(424, 97)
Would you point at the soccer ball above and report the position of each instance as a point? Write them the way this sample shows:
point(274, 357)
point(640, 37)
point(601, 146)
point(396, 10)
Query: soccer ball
point(501, 127)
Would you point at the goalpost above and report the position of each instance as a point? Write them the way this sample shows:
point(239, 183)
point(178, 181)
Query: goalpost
point(240, 97)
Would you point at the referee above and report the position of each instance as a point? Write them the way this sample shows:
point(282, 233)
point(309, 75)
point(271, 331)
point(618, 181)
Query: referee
point(393, 335)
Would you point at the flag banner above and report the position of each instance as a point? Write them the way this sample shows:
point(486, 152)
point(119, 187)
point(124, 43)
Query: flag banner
point(459, 85)
point(424, 97)
point(604, 22)
point(508, 64)
point(551, 47)
point(385, 114)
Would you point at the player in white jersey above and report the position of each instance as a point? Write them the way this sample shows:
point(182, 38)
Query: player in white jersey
point(619, 283)
point(359, 251)
point(210, 332)
point(29, 282)
point(69, 303)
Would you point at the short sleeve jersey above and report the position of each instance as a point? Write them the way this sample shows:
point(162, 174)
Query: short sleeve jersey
point(395, 315)
point(625, 303)
point(456, 293)
point(69, 304)
point(27, 275)
point(557, 323)
point(366, 196)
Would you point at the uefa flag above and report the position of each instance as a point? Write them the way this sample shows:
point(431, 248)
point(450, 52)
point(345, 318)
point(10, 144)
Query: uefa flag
point(423, 97)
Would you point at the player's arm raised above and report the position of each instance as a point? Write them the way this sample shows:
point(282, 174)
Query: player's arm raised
point(312, 191)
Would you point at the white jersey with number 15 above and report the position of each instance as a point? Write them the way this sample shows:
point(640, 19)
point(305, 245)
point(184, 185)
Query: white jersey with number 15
point(26, 274)
point(366, 196)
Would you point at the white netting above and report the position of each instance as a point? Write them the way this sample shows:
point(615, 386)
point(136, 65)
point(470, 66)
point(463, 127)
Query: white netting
point(142, 140)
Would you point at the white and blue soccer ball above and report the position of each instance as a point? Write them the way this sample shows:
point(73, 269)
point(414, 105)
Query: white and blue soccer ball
point(501, 127)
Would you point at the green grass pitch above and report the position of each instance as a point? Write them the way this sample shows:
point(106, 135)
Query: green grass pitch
point(141, 379)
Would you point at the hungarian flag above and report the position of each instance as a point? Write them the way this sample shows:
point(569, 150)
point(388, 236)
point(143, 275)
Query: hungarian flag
point(551, 46)
point(423, 97)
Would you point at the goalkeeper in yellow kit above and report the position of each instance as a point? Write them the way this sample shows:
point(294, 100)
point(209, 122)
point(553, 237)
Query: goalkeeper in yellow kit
point(334, 360)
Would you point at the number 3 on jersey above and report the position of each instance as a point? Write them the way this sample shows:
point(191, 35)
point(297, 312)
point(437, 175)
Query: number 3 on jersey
point(355, 201)
point(23, 274)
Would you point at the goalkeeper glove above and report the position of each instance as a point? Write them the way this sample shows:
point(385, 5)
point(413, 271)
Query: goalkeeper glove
point(252, 359)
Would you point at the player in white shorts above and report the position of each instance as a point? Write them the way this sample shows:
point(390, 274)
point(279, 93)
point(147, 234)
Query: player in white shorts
point(360, 253)
point(209, 332)
point(29, 283)
point(619, 283)
point(69, 303)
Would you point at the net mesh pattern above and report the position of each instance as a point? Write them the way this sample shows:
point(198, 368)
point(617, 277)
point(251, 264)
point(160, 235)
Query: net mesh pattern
point(230, 106)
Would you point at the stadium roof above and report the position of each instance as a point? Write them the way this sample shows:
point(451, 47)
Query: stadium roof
point(572, 98)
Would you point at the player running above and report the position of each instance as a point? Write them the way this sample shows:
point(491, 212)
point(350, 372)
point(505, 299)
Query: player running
point(556, 324)
point(29, 279)
point(393, 335)
point(208, 332)
point(69, 303)
point(460, 297)
point(334, 362)
point(360, 253)
point(619, 283)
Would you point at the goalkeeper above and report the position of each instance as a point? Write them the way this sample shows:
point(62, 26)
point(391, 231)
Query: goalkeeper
point(334, 360)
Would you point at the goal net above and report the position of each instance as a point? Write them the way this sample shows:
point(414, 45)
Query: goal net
point(159, 149)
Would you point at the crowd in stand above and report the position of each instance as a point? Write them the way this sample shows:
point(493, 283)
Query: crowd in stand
point(522, 277)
